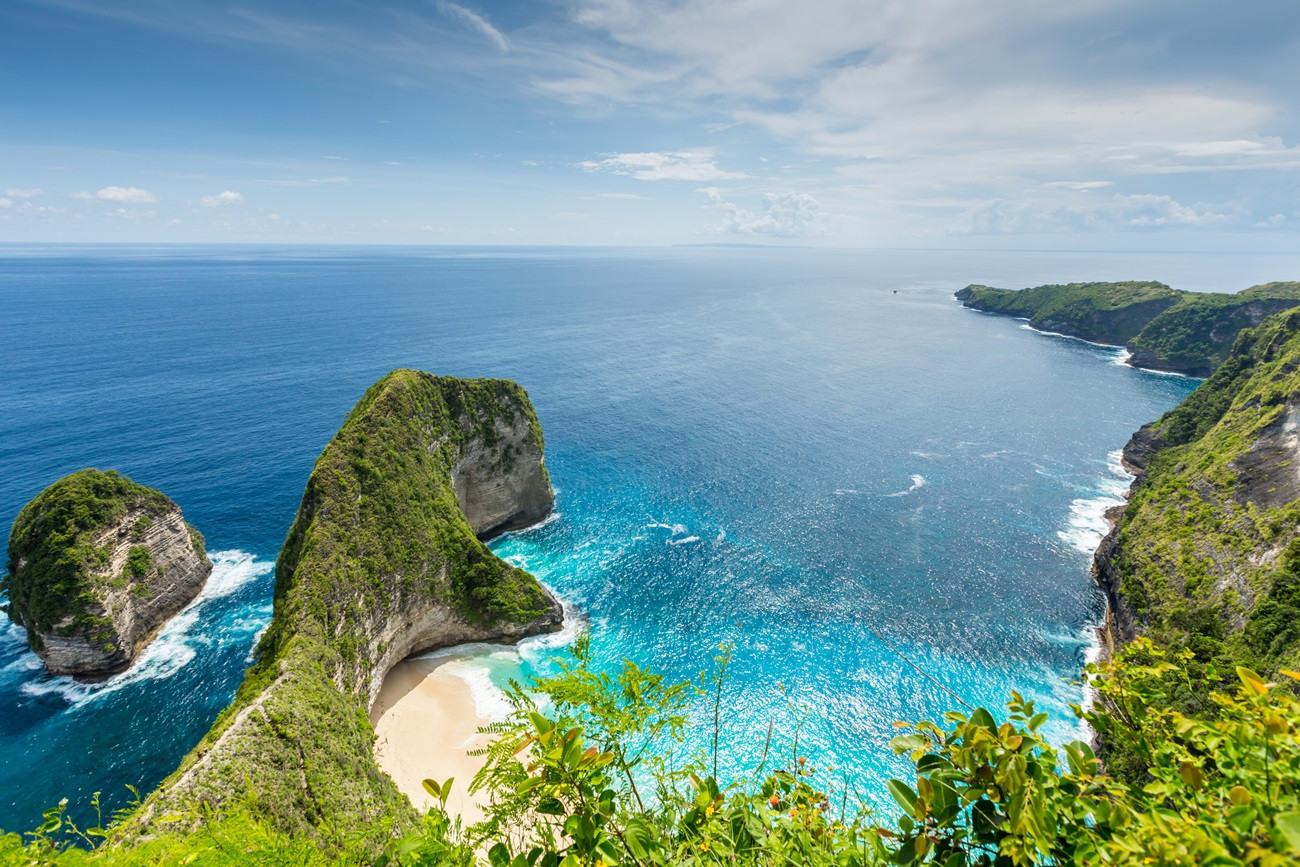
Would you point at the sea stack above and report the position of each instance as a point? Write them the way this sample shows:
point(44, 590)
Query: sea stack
point(97, 565)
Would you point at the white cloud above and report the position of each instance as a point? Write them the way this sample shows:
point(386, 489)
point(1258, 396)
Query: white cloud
point(1142, 211)
point(6, 203)
point(226, 197)
point(133, 215)
point(784, 215)
point(125, 195)
point(1080, 186)
point(474, 21)
point(19, 193)
point(686, 165)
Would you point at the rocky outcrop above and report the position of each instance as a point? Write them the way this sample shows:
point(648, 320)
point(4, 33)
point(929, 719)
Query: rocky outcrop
point(1140, 448)
point(98, 564)
point(384, 560)
point(503, 486)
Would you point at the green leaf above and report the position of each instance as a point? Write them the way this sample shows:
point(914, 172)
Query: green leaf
point(904, 795)
point(1288, 825)
point(981, 717)
point(1241, 818)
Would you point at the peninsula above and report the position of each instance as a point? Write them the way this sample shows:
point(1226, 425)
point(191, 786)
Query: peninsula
point(97, 565)
point(385, 559)
point(1163, 329)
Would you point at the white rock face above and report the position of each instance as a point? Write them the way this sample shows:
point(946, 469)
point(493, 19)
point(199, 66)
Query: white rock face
point(135, 606)
point(503, 487)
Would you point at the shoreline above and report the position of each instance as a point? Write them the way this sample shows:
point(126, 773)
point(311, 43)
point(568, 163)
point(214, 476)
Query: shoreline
point(430, 708)
point(427, 720)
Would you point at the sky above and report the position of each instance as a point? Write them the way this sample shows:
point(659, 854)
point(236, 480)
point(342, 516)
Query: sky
point(1002, 124)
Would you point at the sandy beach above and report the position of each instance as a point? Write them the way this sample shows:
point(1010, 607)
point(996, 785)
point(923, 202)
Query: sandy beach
point(426, 721)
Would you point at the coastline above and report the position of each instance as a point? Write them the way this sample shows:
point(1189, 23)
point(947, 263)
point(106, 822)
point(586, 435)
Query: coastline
point(427, 719)
point(430, 708)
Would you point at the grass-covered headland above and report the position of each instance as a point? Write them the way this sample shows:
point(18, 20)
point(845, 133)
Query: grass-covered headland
point(381, 562)
point(1163, 328)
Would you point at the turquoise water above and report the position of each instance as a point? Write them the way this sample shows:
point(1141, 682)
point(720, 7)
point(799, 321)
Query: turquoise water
point(787, 449)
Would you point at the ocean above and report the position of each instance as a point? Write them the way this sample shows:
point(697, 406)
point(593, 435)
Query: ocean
point(815, 454)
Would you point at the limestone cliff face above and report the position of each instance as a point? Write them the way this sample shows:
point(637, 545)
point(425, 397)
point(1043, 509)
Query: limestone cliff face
point(503, 486)
point(137, 608)
point(98, 565)
point(384, 560)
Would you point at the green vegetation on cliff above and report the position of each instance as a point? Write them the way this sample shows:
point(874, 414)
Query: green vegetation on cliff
point(55, 569)
point(1206, 556)
point(380, 554)
point(1184, 332)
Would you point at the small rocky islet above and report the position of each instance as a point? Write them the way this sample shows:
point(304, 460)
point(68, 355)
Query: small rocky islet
point(97, 565)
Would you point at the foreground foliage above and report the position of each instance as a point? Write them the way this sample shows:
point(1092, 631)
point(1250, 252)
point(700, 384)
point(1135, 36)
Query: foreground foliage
point(588, 771)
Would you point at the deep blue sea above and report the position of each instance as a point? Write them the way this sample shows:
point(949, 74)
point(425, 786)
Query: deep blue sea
point(785, 449)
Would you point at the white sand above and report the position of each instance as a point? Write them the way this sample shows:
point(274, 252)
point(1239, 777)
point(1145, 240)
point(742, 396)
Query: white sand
point(426, 721)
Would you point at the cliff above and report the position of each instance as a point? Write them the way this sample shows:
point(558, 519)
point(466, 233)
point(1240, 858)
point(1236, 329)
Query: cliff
point(383, 560)
point(97, 565)
point(1206, 554)
point(1164, 329)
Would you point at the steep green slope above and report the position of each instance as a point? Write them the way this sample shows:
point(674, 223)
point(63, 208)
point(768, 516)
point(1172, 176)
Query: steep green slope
point(1206, 555)
point(382, 561)
point(1182, 332)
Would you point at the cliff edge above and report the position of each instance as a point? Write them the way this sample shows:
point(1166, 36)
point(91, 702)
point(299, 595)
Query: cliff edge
point(1205, 556)
point(385, 559)
point(97, 565)
point(1162, 328)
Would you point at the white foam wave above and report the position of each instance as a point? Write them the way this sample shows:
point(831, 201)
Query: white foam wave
point(839, 492)
point(722, 536)
point(539, 647)
point(489, 700)
point(545, 522)
point(1029, 327)
point(175, 645)
point(675, 529)
point(918, 482)
point(684, 541)
point(1086, 525)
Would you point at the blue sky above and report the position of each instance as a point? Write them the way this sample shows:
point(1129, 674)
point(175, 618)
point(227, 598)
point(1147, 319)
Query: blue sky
point(931, 123)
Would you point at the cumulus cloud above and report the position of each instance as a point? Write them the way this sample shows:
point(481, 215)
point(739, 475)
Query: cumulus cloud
point(20, 193)
point(474, 21)
point(784, 215)
point(124, 195)
point(226, 197)
point(6, 203)
point(1142, 211)
point(686, 165)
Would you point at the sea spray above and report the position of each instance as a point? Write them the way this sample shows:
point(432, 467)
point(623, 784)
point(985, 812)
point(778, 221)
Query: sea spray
point(177, 643)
